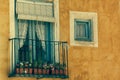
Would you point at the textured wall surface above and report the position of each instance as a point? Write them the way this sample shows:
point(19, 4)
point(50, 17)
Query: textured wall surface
point(4, 35)
point(85, 63)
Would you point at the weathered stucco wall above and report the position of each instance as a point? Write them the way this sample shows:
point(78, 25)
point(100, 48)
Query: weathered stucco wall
point(88, 63)
point(85, 63)
point(4, 35)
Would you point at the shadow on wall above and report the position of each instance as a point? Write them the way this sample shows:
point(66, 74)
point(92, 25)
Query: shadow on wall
point(82, 76)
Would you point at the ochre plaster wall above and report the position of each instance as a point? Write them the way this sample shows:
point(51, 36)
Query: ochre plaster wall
point(4, 35)
point(89, 63)
point(85, 63)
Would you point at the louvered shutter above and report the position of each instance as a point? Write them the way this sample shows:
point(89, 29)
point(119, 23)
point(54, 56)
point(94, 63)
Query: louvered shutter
point(35, 11)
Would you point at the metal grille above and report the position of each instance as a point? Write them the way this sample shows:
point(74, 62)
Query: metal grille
point(26, 66)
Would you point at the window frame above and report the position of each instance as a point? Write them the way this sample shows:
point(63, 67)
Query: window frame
point(12, 20)
point(84, 16)
point(88, 30)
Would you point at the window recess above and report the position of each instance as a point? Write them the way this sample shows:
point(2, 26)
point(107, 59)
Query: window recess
point(83, 29)
point(35, 51)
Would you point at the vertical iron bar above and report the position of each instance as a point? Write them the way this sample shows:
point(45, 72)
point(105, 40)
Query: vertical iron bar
point(67, 59)
point(62, 54)
point(59, 52)
point(54, 53)
point(32, 38)
point(27, 44)
point(12, 56)
point(47, 50)
point(29, 40)
point(18, 37)
point(48, 46)
point(44, 57)
point(36, 41)
point(58, 56)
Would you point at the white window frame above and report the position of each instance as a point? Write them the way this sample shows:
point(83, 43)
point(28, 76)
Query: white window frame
point(12, 25)
point(84, 16)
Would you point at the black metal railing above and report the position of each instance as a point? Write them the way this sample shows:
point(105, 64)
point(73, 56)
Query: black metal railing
point(39, 58)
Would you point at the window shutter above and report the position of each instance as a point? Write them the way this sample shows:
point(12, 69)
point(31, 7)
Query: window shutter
point(35, 10)
point(83, 30)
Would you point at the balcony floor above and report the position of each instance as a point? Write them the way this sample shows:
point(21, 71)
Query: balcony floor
point(38, 76)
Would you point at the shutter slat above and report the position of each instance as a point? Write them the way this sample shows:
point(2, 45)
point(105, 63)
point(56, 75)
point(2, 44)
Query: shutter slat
point(35, 9)
point(38, 18)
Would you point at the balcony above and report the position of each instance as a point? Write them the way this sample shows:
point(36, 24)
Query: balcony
point(38, 58)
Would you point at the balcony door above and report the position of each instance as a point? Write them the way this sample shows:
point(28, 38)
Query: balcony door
point(35, 41)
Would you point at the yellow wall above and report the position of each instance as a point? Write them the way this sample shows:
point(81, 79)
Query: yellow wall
point(88, 63)
point(4, 35)
point(85, 63)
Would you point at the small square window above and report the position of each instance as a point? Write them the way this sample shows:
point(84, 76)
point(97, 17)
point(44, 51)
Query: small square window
point(82, 30)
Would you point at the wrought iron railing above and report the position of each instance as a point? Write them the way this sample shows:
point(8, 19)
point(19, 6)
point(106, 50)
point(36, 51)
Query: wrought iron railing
point(39, 58)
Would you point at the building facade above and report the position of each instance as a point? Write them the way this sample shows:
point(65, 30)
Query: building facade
point(93, 47)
